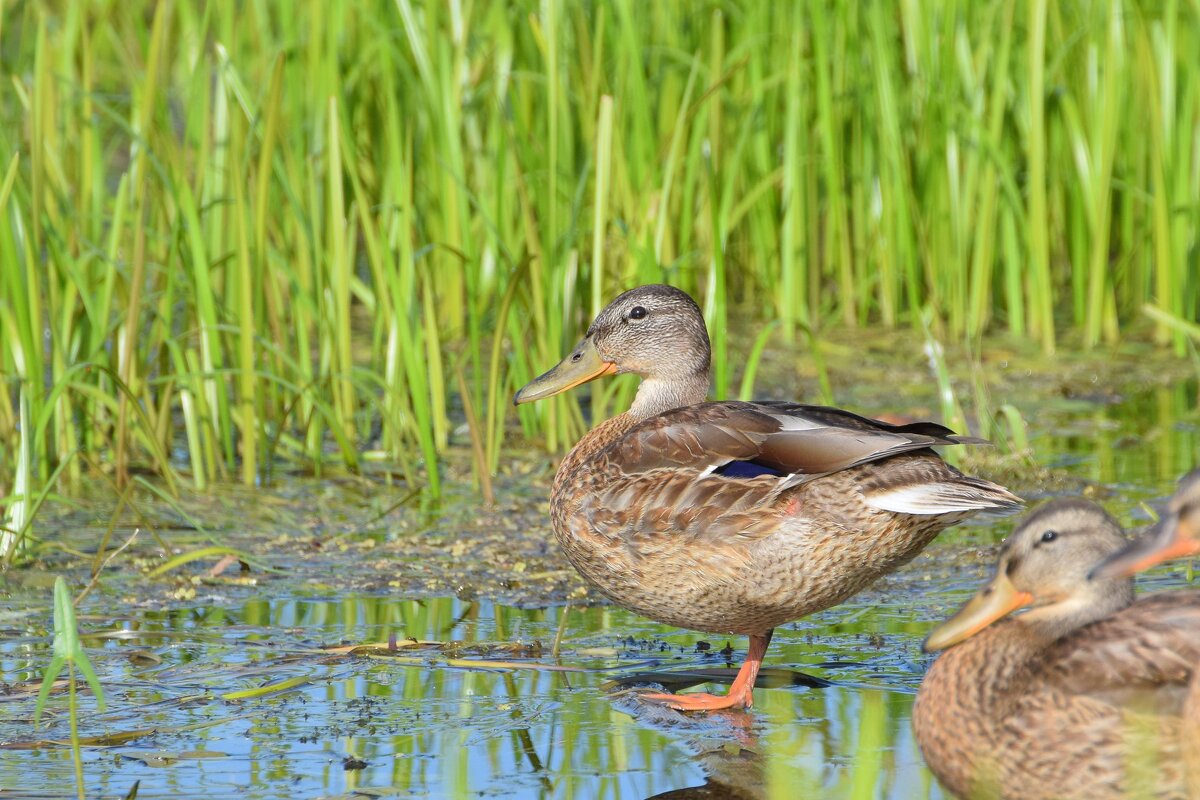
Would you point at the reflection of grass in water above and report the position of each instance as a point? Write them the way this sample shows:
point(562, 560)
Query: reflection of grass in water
point(500, 725)
point(869, 747)
point(846, 748)
point(431, 727)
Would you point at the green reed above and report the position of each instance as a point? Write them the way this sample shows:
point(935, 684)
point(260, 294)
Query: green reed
point(239, 236)
point(68, 652)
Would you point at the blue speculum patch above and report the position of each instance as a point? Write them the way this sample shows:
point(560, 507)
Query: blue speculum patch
point(746, 469)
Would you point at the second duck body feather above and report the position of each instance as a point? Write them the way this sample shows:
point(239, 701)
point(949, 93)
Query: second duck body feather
point(1085, 696)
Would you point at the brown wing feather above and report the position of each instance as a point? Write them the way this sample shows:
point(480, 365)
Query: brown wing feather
point(791, 438)
point(1154, 643)
point(652, 492)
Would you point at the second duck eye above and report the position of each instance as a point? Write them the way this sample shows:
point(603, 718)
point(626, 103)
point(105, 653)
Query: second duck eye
point(637, 312)
point(1049, 536)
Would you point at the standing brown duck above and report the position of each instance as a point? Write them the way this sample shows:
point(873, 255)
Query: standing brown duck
point(1080, 697)
point(735, 517)
point(1176, 535)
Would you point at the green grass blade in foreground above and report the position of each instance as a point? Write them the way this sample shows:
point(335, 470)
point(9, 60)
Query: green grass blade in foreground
point(67, 649)
point(48, 679)
point(1165, 318)
point(19, 513)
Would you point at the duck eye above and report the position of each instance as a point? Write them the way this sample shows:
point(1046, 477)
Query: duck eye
point(637, 312)
point(1049, 536)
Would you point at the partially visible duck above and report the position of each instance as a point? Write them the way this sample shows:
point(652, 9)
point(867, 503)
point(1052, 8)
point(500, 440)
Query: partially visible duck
point(1176, 535)
point(1082, 696)
point(734, 517)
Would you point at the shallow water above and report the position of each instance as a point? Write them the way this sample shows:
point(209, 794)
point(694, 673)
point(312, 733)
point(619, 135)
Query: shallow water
point(484, 711)
point(425, 728)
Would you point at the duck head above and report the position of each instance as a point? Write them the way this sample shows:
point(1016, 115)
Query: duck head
point(1044, 567)
point(654, 331)
point(1175, 535)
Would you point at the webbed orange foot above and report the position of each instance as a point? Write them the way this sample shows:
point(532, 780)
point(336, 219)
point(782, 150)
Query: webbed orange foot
point(700, 701)
point(740, 694)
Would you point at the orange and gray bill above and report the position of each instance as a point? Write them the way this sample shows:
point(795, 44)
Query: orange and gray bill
point(989, 604)
point(1172, 537)
point(582, 365)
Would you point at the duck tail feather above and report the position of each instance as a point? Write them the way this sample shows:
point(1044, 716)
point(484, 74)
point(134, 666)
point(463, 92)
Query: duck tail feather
point(954, 496)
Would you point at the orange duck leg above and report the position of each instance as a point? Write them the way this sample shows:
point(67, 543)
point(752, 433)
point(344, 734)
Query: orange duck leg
point(740, 694)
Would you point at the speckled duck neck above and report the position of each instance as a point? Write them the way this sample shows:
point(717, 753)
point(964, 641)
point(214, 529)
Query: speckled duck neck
point(656, 395)
point(1098, 600)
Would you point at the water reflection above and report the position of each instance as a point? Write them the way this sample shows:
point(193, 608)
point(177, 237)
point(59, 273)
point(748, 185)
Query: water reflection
point(732, 773)
point(420, 724)
point(1141, 442)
